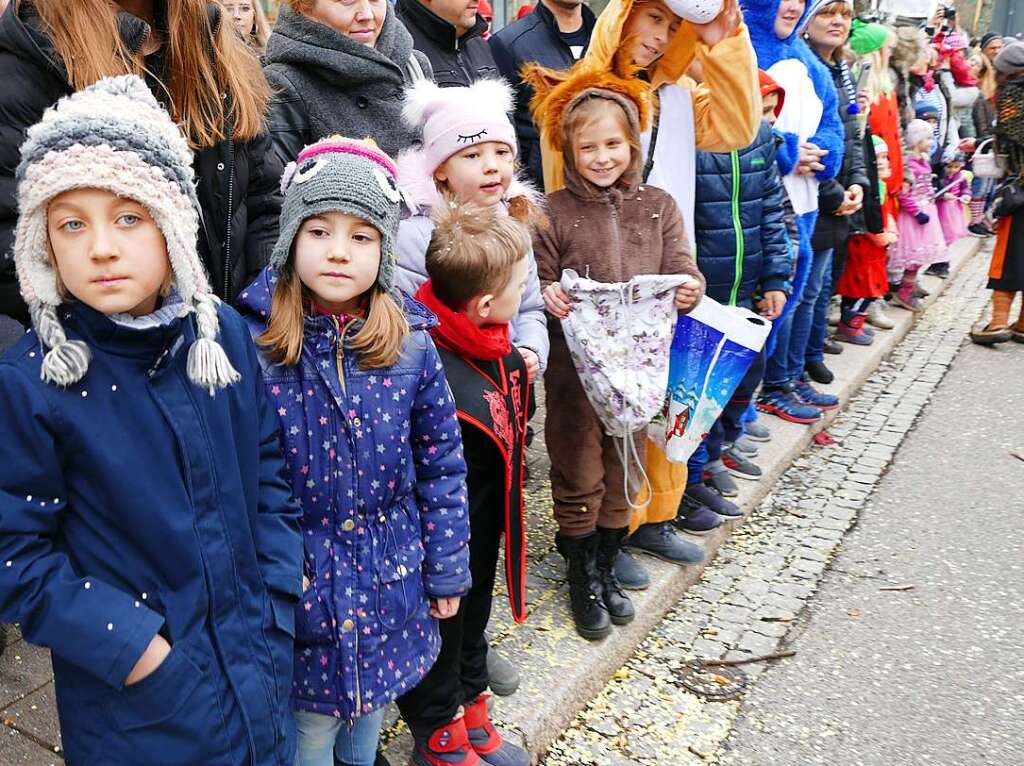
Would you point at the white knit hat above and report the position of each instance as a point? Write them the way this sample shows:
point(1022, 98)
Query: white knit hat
point(113, 135)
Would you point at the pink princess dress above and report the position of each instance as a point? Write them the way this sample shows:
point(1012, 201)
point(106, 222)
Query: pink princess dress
point(952, 216)
point(920, 245)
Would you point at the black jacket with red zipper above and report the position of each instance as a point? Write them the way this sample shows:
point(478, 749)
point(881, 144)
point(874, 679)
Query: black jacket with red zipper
point(491, 399)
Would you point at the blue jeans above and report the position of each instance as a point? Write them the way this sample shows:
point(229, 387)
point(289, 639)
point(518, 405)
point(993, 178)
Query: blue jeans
point(322, 737)
point(804, 315)
point(776, 373)
point(819, 324)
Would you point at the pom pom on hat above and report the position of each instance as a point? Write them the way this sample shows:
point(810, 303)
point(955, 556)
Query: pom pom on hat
point(454, 118)
point(114, 136)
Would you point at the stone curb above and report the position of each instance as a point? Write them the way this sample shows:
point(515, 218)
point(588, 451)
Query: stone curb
point(562, 672)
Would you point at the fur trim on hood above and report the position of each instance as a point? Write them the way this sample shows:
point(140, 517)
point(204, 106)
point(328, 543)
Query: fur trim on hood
point(421, 194)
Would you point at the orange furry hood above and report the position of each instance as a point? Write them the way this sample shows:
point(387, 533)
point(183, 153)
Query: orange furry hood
point(558, 93)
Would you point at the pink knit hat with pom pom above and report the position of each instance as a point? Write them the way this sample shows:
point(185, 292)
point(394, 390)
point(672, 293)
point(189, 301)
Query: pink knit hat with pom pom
point(455, 118)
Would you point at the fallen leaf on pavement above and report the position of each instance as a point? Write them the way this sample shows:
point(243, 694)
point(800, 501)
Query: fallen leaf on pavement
point(855, 613)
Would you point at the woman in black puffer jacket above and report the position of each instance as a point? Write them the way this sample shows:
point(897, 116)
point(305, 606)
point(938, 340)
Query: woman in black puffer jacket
point(50, 48)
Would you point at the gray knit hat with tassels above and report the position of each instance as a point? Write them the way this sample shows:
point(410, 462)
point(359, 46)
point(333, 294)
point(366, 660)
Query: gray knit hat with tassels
point(113, 135)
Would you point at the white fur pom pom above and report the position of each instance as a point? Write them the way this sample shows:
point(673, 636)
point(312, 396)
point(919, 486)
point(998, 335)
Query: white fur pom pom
point(422, 99)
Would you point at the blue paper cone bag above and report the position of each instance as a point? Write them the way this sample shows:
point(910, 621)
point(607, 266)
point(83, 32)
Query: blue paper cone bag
point(711, 350)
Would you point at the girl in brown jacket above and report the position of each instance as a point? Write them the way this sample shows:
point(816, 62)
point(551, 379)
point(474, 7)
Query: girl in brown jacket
point(610, 227)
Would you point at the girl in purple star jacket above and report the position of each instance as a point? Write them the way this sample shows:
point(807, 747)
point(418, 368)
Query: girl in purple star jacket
point(372, 445)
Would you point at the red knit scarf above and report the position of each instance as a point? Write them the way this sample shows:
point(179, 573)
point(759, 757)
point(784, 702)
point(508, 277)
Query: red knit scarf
point(466, 339)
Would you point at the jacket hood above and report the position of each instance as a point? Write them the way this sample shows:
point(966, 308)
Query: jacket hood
point(606, 40)
point(557, 94)
point(760, 18)
point(254, 302)
point(301, 42)
point(421, 193)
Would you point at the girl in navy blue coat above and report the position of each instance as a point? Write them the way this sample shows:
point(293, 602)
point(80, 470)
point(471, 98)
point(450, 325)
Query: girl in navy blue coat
point(147, 533)
point(373, 447)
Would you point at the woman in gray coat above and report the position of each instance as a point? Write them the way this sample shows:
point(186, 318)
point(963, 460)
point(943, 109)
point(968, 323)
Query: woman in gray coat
point(340, 68)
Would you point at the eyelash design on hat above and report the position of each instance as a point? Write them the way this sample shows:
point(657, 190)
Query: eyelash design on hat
point(471, 139)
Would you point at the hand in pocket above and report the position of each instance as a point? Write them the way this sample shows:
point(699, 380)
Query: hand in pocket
point(150, 660)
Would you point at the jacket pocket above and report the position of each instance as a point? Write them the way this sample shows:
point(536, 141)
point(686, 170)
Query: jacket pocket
point(400, 593)
point(313, 618)
point(172, 716)
point(158, 696)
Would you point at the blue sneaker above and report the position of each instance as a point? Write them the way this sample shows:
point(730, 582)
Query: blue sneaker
point(629, 572)
point(784, 404)
point(808, 394)
point(696, 518)
point(702, 494)
point(659, 540)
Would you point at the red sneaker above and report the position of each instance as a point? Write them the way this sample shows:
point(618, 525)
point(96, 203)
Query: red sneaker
point(447, 746)
point(486, 740)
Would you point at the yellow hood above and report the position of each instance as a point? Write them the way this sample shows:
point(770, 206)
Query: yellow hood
point(726, 106)
point(607, 37)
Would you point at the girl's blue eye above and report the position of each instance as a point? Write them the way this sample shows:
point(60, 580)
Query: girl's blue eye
point(72, 226)
point(129, 219)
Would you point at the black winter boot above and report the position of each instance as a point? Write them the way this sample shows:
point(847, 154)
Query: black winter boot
point(620, 608)
point(588, 609)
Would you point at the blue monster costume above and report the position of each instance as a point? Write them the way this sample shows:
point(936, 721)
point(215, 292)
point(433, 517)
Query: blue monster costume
point(810, 113)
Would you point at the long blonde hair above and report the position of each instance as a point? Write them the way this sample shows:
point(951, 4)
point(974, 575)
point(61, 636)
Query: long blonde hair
point(202, 64)
point(378, 342)
point(986, 76)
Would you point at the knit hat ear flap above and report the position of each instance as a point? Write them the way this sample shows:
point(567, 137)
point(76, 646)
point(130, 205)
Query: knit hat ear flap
point(67, 361)
point(208, 364)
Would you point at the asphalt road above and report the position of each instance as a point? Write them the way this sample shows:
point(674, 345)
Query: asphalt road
point(933, 674)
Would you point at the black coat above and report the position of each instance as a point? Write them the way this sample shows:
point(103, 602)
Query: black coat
point(455, 60)
point(831, 230)
point(236, 182)
point(534, 38)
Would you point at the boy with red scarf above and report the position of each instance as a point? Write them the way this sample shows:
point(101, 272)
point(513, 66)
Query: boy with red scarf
point(478, 263)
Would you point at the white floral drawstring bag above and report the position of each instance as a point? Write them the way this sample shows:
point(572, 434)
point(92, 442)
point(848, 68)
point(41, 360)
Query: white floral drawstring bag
point(619, 335)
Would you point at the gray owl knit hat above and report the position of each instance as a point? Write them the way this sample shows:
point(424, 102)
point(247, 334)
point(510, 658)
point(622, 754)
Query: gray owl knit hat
point(113, 135)
point(342, 175)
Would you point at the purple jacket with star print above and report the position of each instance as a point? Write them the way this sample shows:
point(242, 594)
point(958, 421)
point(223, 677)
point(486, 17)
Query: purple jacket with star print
point(375, 460)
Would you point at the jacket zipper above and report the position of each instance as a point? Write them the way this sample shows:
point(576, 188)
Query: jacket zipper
point(737, 227)
point(339, 361)
point(231, 202)
point(339, 355)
